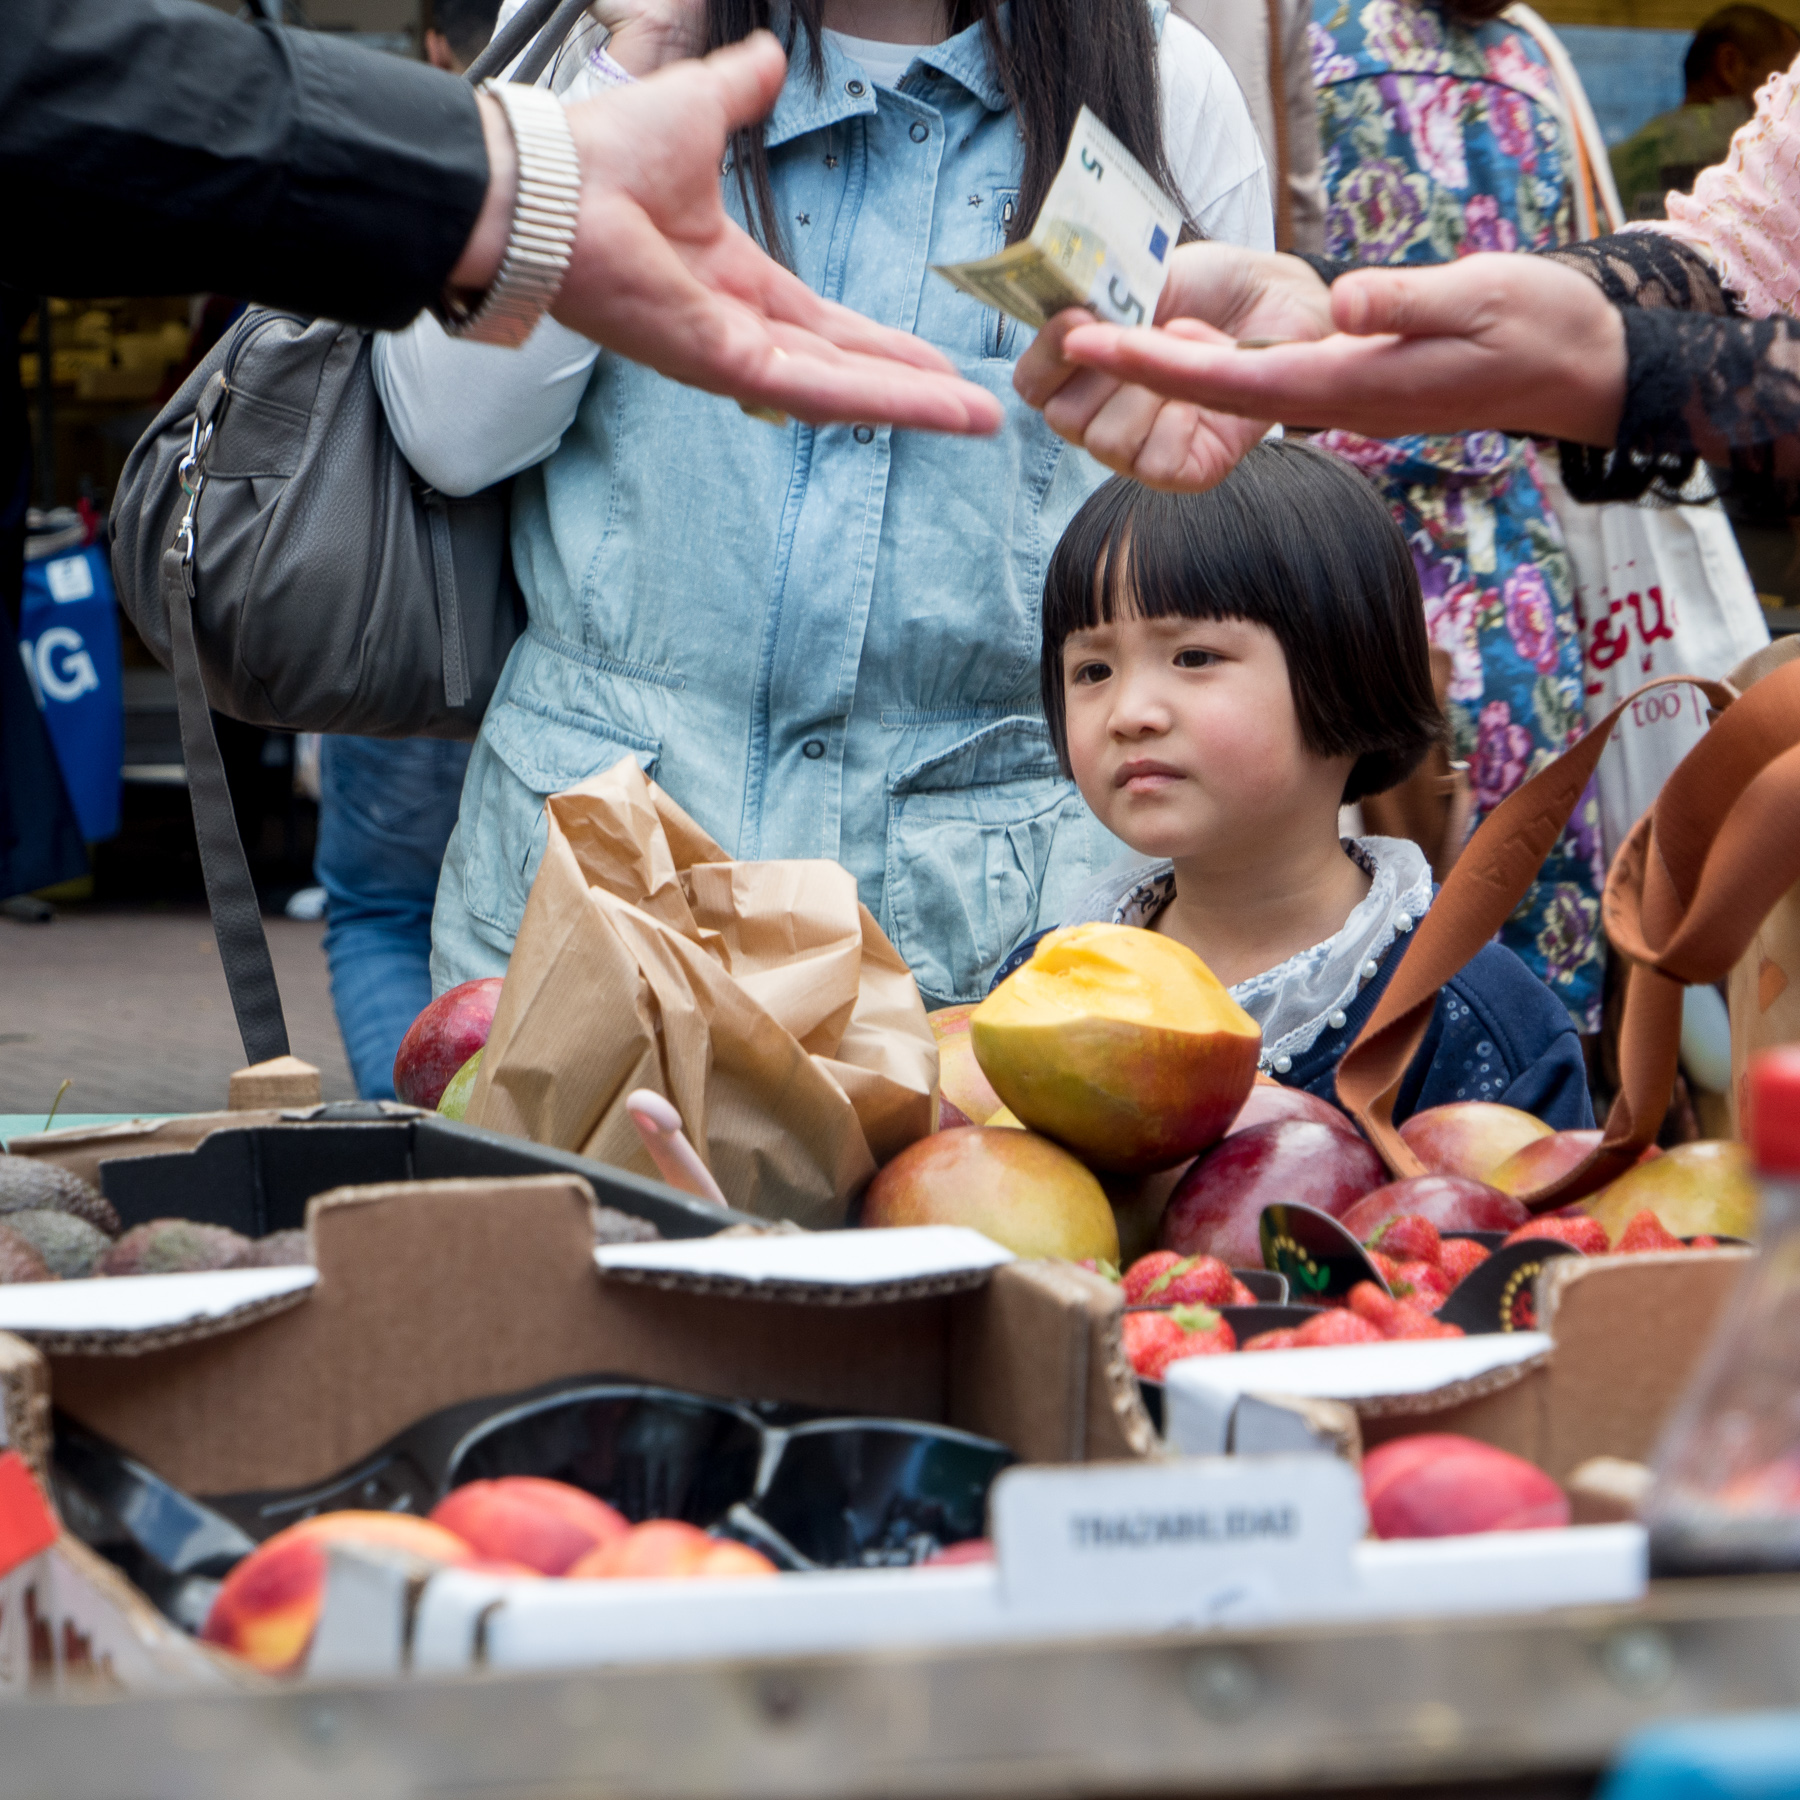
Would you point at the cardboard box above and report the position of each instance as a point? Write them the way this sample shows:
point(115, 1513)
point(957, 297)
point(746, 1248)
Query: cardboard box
point(1619, 1338)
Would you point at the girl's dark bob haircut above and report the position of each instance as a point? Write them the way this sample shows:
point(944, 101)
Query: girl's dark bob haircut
point(1294, 540)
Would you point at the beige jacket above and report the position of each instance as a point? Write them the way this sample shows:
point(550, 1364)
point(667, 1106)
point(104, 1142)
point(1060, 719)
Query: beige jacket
point(1254, 36)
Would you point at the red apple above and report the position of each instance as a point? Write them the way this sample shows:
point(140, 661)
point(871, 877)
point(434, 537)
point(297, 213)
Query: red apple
point(1438, 1484)
point(1469, 1137)
point(1450, 1202)
point(1269, 1101)
point(442, 1038)
point(1215, 1209)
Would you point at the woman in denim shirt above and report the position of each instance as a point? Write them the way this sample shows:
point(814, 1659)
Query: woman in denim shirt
point(822, 642)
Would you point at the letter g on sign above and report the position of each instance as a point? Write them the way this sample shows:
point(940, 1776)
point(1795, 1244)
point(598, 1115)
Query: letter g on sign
point(72, 676)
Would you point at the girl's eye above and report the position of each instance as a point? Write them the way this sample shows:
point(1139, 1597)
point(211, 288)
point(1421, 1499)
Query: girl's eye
point(1087, 674)
point(1195, 659)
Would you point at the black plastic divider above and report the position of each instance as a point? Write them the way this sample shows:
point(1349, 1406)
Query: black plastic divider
point(258, 1178)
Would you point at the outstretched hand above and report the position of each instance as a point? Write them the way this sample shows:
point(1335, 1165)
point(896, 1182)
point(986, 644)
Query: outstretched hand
point(661, 274)
point(1214, 295)
point(1492, 342)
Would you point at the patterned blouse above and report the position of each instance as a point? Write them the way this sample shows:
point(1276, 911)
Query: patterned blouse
point(1440, 140)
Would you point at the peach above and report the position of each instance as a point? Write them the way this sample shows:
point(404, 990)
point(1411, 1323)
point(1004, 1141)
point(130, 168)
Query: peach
point(266, 1608)
point(965, 1095)
point(1020, 1189)
point(1469, 1137)
point(1450, 1202)
point(546, 1525)
point(1543, 1161)
point(669, 1549)
point(1438, 1484)
point(1216, 1208)
point(443, 1038)
point(1704, 1188)
point(1119, 1043)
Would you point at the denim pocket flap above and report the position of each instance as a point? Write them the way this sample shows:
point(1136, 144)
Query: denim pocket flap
point(551, 751)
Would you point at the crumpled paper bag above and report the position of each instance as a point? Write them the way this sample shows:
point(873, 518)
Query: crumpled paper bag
point(760, 998)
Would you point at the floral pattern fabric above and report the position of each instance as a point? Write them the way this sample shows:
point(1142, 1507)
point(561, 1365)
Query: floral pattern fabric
point(1441, 140)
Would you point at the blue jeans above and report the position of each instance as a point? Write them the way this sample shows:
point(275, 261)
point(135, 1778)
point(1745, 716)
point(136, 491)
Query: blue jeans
point(386, 808)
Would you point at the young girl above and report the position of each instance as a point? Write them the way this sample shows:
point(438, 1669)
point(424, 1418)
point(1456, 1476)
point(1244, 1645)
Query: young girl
point(1223, 671)
point(821, 642)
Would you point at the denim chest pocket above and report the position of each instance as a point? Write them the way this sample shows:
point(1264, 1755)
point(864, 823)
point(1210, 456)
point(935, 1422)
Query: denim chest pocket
point(534, 754)
point(976, 228)
point(969, 841)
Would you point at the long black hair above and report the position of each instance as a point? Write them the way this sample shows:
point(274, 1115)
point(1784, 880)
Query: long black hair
point(1053, 57)
point(1291, 539)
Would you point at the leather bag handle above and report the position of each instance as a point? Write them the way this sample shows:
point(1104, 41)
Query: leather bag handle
point(1499, 863)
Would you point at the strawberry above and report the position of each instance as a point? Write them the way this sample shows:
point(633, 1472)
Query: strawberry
point(1179, 1281)
point(1154, 1340)
point(1242, 1296)
point(1703, 1242)
point(1461, 1255)
point(1282, 1339)
point(1206, 1334)
point(1425, 1284)
point(1411, 1238)
point(1393, 1318)
point(1646, 1232)
point(1385, 1265)
point(1338, 1326)
point(1586, 1234)
point(1150, 1340)
point(1137, 1279)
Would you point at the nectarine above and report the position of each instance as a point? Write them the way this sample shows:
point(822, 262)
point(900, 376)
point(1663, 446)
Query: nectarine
point(546, 1525)
point(1439, 1484)
point(1469, 1137)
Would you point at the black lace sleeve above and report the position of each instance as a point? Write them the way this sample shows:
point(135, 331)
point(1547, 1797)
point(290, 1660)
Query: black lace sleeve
point(1687, 396)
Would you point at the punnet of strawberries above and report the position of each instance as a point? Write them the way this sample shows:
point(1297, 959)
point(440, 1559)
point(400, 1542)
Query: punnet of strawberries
point(1153, 1340)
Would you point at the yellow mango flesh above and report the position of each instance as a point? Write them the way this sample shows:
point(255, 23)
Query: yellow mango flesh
point(1120, 1044)
point(1701, 1189)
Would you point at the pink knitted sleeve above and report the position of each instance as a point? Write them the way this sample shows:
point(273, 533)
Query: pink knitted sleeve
point(1744, 215)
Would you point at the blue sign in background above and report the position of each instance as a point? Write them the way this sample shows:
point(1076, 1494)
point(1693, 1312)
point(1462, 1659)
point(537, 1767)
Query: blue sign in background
point(69, 642)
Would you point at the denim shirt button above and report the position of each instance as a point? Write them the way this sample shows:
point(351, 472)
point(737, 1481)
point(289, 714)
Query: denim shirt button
point(813, 749)
point(864, 434)
point(920, 131)
point(854, 89)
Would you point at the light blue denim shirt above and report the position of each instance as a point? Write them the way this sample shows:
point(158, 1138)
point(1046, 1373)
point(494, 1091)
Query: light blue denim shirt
point(821, 642)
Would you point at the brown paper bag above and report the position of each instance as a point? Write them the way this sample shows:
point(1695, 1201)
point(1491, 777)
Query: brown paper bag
point(760, 999)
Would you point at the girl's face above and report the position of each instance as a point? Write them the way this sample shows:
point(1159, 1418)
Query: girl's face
point(1184, 740)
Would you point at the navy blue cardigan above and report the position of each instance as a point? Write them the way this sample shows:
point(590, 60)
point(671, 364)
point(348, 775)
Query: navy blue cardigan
point(1497, 1034)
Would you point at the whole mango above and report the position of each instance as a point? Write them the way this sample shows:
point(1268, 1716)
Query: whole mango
point(1120, 1044)
point(1705, 1188)
point(1018, 1188)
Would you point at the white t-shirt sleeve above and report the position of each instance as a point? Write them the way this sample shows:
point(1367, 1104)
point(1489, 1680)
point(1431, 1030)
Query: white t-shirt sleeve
point(1212, 142)
point(468, 415)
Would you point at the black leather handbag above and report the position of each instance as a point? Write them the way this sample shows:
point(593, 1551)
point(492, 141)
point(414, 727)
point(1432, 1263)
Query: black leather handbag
point(276, 551)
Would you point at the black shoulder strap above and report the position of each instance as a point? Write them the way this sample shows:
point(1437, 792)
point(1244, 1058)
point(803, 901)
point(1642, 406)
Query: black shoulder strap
point(236, 916)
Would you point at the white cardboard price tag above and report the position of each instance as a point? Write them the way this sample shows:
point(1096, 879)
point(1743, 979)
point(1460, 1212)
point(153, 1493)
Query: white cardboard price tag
point(1185, 1544)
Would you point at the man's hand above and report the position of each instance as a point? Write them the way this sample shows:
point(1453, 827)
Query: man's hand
point(1501, 343)
point(662, 275)
point(1165, 442)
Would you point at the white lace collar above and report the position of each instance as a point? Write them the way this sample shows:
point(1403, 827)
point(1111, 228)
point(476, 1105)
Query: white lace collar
point(1297, 1000)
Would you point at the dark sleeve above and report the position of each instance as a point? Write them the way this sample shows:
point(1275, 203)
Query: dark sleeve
point(1497, 1033)
point(159, 146)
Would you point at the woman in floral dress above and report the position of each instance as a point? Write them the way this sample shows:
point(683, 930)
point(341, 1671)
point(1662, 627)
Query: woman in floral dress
point(1441, 138)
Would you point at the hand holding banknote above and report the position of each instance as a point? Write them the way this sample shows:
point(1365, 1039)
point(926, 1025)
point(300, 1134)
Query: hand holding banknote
point(1214, 294)
point(1491, 342)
